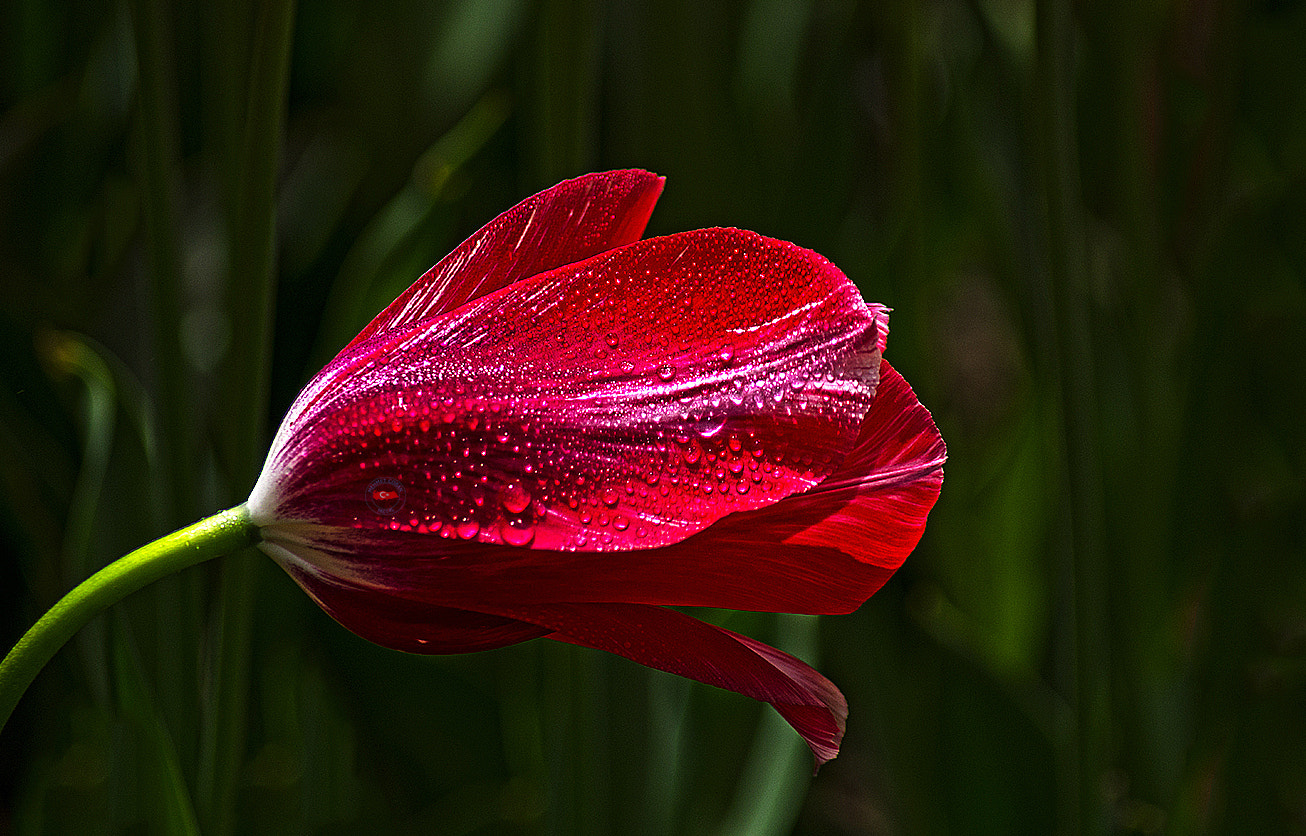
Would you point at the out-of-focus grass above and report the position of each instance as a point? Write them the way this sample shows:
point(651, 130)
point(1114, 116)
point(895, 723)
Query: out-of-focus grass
point(1089, 221)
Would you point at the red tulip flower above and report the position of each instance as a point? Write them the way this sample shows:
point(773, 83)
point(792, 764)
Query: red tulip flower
point(562, 431)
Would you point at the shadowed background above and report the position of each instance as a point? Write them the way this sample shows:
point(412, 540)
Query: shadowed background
point(1089, 221)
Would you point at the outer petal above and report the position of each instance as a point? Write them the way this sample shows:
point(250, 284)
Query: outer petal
point(625, 402)
point(569, 222)
point(413, 626)
point(653, 636)
point(823, 551)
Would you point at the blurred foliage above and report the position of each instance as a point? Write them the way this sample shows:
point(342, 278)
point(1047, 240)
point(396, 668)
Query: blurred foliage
point(1090, 220)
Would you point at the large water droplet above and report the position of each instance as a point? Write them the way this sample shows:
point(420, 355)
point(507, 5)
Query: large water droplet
point(514, 498)
point(468, 529)
point(666, 372)
point(710, 426)
point(518, 535)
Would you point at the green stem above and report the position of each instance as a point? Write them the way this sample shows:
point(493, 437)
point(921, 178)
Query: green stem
point(215, 536)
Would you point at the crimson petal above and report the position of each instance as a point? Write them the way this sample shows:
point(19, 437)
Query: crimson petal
point(560, 430)
point(652, 636)
point(821, 552)
point(625, 402)
point(399, 623)
point(561, 225)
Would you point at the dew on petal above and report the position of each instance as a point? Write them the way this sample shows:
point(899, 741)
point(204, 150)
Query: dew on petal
point(710, 427)
point(514, 498)
point(518, 535)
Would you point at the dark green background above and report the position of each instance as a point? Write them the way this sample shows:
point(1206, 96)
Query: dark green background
point(1090, 221)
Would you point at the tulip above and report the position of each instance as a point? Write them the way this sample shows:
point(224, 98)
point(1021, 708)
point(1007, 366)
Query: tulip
point(563, 431)
point(560, 431)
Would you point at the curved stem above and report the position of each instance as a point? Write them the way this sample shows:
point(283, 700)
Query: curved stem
point(213, 537)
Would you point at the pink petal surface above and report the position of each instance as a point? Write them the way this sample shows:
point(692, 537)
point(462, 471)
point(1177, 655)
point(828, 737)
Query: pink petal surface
point(625, 402)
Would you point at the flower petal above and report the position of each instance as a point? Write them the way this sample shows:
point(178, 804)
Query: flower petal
point(624, 402)
point(400, 623)
point(676, 643)
point(567, 223)
point(652, 636)
point(822, 552)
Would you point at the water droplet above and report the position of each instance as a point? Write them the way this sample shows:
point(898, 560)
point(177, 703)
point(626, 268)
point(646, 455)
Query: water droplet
point(666, 372)
point(610, 497)
point(709, 427)
point(611, 340)
point(727, 353)
point(468, 529)
point(620, 523)
point(514, 498)
point(515, 535)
